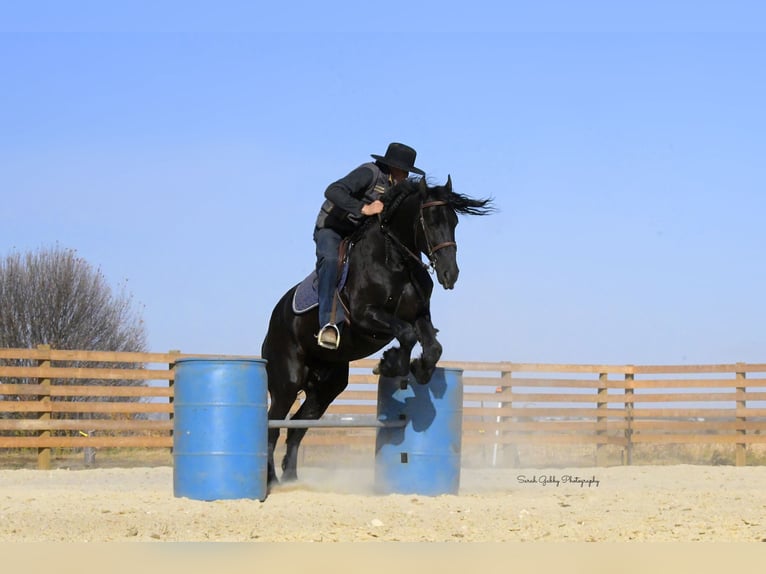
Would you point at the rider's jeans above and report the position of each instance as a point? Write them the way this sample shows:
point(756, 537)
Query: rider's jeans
point(327, 244)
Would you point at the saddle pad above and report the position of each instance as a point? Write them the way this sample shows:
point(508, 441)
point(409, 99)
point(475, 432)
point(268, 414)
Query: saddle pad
point(306, 296)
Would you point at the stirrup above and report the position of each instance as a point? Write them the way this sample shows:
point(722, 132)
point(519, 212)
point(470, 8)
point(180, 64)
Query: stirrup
point(329, 328)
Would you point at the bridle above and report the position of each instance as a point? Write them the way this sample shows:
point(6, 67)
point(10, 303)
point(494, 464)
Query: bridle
point(431, 249)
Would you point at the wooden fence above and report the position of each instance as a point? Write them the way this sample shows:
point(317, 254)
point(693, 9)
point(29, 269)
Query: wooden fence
point(58, 399)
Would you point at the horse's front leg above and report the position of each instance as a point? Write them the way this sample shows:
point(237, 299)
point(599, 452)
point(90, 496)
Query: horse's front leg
point(396, 360)
point(423, 367)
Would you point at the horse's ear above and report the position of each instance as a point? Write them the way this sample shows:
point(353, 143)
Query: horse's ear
point(449, 182)
point(422, 185)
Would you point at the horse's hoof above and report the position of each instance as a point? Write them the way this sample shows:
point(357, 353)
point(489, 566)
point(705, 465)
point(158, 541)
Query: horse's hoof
point(271, 475)
point(389, 371)
point(423, 378)
point(289, 477)
point(422, 374)
point(289, 473)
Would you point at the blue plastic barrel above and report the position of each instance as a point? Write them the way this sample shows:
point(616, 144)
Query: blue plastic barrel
point(423, 457)
point(220, 429)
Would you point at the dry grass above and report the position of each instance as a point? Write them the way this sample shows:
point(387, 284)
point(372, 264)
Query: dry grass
point(643, 454)
point(75, 459)
point(361, 455)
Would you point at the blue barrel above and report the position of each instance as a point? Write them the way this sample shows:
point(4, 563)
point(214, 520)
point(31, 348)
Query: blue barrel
point(220, 429)
point(422, 457)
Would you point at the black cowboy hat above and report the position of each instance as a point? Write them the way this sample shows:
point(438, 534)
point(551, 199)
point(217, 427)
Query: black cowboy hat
point(401, 157)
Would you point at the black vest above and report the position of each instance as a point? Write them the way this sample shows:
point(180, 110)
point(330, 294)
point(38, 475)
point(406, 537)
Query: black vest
point(337, 219)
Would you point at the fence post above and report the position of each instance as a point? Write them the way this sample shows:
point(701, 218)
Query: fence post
point(171, 383)
point(505, 378)
point(629, 378)
point(601, 405)
point(44, 453)
point(741, 448)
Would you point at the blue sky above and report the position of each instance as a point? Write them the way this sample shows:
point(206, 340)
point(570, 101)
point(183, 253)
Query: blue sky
point(184, 147)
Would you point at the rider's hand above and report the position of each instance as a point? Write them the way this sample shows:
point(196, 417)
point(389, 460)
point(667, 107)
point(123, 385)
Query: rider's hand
point(373, 208)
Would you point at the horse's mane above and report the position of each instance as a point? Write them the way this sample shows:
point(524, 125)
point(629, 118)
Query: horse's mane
point(394, 197)
point(391, 200)
point(462, 204)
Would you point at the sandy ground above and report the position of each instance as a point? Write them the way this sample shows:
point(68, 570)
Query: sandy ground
point(644, 503)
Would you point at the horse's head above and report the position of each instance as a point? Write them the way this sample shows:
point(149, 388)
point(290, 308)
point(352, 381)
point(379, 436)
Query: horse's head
point(439, 209)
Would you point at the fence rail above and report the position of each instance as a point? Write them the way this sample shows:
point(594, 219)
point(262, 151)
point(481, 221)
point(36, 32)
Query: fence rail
point(70, 399)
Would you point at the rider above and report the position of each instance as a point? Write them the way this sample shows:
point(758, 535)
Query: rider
point(347, 202)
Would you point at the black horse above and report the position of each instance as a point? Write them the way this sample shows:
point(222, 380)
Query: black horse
point(386, 296)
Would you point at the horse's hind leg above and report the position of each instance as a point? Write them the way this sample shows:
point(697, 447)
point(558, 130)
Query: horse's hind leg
point(423, 367)
point(280, 407)
point(322, 389)
point(285, 379)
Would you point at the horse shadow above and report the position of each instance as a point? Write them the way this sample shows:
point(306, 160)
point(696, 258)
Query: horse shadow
point(401, 398)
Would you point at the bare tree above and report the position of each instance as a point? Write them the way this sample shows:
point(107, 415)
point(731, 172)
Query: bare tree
point(54, 297)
